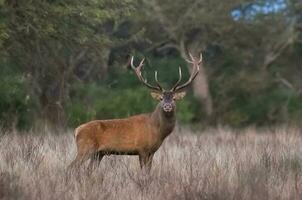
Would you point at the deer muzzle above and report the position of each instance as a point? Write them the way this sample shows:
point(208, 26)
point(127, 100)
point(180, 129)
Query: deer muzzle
point(167, 107)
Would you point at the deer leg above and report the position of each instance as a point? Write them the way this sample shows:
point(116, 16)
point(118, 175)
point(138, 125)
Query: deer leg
point(149, 162)
point(99, 157)
point(95, 159)
point(84, 152)
point(145, 161)
point(80, 158)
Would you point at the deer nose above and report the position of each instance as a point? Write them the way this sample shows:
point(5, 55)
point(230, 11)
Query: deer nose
point(167, 107)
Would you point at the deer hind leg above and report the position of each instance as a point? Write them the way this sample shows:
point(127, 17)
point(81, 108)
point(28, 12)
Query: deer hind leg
point(80, 158)
point(84, 152)
point(145, 160)
point(95, 160)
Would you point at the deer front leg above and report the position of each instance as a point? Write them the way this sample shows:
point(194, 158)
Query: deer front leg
point(145, 160)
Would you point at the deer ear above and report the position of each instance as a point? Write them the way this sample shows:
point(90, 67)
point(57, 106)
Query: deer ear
point(179, 95)
point(156, 95)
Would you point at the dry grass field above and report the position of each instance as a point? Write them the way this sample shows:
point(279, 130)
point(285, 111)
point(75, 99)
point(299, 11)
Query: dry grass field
point(217, 164)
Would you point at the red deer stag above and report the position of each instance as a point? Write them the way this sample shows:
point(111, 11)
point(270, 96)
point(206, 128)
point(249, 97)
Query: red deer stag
point(138, 135)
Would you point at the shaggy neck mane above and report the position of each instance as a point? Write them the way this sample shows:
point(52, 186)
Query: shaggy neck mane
point(164, 121)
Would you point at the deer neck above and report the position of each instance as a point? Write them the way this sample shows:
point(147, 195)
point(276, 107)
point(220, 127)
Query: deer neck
point(165, 122)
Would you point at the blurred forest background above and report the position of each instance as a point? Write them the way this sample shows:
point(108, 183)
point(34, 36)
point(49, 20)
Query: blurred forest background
point(64, 62)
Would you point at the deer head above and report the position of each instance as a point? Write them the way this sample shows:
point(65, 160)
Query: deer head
point(167, 98)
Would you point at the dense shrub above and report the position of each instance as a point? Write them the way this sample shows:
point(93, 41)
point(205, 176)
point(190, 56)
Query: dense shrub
point(237, 101)
point(96, 102)
point(16, 105)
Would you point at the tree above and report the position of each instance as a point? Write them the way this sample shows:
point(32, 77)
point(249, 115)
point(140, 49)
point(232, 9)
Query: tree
point(209, 26)
point(59, 42)
point(263, 43)
point(194, 26)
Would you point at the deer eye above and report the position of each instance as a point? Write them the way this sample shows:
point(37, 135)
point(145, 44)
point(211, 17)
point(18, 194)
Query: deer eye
point(161, 98)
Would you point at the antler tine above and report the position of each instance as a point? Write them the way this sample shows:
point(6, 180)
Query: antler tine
point(200, 60)
point(139, 66)
point(179, 79)
point(192, 58)
point(142, 62)
point(138, 73)
point(156, 80)
point(194, 73)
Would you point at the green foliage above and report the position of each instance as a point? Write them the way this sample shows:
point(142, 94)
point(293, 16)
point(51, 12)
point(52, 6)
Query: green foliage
point(294, 108)
point(188, 110)
point(15, 104)
point(126, 97)
point(53, 41)
point(68, 54)
point(255, 100)
point(260, 109)
point(92, 101)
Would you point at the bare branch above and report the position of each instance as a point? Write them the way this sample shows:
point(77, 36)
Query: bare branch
point(276, 51)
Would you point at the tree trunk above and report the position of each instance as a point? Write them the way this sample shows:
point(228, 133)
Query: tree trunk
point(201, 91)
point(200, 84)
point(52, 111)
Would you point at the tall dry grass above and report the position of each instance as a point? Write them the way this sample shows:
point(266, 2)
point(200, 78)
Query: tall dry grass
point(218, 164)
